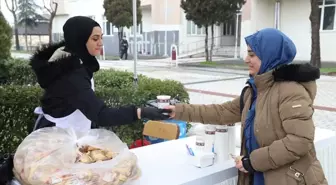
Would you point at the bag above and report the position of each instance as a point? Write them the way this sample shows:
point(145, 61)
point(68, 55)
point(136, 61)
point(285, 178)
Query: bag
point(242, 103)
point(6, 168)
point(60, 156)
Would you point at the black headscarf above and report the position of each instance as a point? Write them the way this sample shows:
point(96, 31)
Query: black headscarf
point(77, 31)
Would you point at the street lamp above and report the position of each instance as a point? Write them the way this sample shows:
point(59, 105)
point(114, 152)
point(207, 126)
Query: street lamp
point(237, 32)
point(166, 17)
point(277, 14)
point(135, 52)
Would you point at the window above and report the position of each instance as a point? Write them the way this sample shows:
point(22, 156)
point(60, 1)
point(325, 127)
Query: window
point(327, 14)
point(108, 27)
point(229, 28)
point(193, 29)
point(139, 29)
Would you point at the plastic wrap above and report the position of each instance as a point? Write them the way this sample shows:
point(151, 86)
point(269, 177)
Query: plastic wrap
point(55, 156)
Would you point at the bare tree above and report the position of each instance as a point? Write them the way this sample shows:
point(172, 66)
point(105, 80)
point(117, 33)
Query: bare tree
point(52, 9)
point(315, 55)
point(13, 9)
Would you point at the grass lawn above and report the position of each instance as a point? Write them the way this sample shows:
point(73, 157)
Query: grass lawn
point(111, 57)
point(223, 65)
point(328, 70)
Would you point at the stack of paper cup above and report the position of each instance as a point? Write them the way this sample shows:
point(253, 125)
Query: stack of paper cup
point(200, 143)
point(210, 132)
point(221, 144)
point(232, 138)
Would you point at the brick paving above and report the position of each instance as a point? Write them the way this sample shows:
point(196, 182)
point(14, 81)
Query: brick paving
point(225, 90)
point(220, 91)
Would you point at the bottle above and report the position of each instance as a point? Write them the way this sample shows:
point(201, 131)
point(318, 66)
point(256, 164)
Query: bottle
point(221, 143)
point(232, 138)
point(210, 132)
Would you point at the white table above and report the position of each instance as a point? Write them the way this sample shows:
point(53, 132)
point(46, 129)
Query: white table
point(166, 163)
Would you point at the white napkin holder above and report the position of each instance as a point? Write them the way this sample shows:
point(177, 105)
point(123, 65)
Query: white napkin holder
point(202, 159)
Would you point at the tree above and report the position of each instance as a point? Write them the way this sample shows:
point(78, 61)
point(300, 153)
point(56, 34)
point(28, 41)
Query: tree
point(13, 9)
point(27, 16)
point(315, 55)
point(208, 13)
point(52, 9)
point(120, 14)
point(5, 37)
point(224, 11)
point(198, 12)
point(5, 45)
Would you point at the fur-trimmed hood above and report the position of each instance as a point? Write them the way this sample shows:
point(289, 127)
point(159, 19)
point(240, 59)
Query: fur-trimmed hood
point(304, 74)
point(50, 63)
point(296, 72)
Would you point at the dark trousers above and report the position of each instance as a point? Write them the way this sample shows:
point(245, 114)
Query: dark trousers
point(122, 53)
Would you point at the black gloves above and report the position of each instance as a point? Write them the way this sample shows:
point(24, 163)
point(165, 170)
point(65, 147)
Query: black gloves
point(152, 113)
point(247, 164)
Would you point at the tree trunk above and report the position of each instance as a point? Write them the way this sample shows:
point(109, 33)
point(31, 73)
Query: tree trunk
point(26, 37)
point(315, 55)
point(212, 41)
point(16, 32)
point(52, 16)
point(206, 44)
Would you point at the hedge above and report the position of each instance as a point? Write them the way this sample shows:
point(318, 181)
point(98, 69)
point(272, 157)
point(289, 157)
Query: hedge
point(20, 95)
point(6, 35)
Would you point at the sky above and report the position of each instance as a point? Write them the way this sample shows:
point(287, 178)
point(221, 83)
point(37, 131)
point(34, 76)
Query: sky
point(9, 15)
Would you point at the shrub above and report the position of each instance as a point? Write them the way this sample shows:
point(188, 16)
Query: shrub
point(18, 72)
point(18, 101)
point(17, 104)
point(5, 46)
point(5, 38)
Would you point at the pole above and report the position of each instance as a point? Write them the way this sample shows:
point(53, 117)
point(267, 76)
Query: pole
point(166, 17)
point(277, 15)
point(135, 52)
point(236, 40)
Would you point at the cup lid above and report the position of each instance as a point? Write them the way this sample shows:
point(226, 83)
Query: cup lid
point(163, 97)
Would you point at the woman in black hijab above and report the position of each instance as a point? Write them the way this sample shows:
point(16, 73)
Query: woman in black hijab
point(65, 70)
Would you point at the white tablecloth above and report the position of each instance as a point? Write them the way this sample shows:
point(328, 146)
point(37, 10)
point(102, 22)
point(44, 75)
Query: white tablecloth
point(166, 163)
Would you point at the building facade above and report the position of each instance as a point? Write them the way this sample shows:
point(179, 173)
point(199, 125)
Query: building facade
point(292, 18)
point(163, 24)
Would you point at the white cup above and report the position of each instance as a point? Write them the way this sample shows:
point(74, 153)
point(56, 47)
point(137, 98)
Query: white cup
point(163, 101)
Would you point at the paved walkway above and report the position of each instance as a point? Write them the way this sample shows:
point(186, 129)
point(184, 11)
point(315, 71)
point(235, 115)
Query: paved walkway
point(206, 85)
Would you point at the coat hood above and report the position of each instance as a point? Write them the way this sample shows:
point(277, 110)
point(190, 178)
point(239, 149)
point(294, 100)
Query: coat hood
point(304, 74)
point(297, 72)
point(51, 62)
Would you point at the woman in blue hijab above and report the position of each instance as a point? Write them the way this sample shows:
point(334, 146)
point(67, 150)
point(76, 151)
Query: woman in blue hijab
point(275, 111)
point(267, 49)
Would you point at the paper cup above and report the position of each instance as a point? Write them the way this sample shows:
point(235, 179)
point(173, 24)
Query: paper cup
point(163, 101)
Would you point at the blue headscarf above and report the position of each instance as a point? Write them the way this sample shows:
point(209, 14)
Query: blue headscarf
point(274, 49)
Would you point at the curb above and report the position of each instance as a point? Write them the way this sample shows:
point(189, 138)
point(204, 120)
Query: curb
point(332, 74)
point(317, 107)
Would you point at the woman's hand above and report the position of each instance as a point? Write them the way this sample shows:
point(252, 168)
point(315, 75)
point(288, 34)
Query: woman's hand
point(152, 113)
point(239, 164)
point(171, 109)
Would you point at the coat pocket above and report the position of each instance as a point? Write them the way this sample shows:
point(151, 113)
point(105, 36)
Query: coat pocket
point(294, 177)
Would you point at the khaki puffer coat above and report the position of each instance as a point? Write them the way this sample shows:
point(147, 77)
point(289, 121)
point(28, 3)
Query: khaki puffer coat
point(283, 125)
